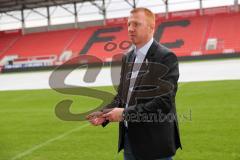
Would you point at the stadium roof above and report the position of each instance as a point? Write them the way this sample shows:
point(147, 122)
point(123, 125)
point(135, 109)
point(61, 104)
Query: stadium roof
point(13, 5)
point(22, 14)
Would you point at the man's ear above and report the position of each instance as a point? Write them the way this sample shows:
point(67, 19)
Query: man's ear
point(152, 28)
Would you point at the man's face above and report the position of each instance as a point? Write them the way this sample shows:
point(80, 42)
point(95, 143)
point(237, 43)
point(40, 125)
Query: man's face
point(139, 29)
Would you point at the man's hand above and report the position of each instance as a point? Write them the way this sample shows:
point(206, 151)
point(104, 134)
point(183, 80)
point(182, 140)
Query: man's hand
point(115, 115)
point(94, 115)
point(96, 118)
point(97, 121)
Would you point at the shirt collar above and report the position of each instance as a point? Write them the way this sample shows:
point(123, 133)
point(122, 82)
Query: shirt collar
point(144, 49)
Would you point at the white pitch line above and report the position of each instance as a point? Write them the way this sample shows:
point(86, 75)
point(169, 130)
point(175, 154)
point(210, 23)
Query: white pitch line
point(29, 151)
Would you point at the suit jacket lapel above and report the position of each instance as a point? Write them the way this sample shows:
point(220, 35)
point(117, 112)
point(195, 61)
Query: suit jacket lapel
point(144, 67)
point(127, 74)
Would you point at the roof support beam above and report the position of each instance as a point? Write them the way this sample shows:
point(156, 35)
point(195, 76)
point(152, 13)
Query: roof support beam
point(12, 16)
point(236, 5)
point(66, 9)
point(132, 5)
point(23, 21)
point(102, 10)
point(166, 8)
point(201, 7)
point(75, 14)
point(39, 13)
point(18, 5)
point(48, 18)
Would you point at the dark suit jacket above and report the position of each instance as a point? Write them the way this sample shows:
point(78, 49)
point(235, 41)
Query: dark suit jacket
point(150, 140)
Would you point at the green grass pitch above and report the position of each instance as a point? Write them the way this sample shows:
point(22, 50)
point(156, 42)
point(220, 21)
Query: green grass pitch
point(209, 114)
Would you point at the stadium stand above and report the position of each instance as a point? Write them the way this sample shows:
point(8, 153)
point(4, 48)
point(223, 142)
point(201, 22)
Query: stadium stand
point(8, 38)
point(187, 33)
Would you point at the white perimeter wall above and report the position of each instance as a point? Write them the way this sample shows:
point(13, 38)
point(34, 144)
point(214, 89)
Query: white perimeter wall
point(189, 72)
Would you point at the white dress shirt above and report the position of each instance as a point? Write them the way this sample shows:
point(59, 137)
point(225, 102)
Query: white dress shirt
point(140, 56)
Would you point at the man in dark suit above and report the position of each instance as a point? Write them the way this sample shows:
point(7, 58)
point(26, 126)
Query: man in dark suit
point(145, 102)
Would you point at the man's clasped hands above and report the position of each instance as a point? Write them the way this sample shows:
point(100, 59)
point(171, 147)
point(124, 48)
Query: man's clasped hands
point(99, 117)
